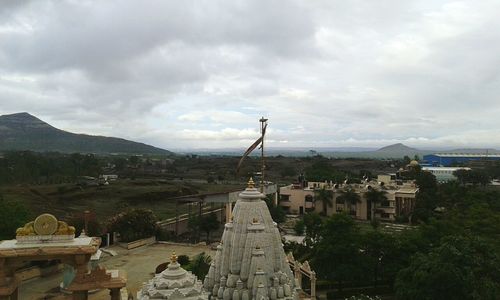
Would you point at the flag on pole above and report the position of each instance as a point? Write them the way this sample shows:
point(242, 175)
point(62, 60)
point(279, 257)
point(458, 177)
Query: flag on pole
point(251, 148)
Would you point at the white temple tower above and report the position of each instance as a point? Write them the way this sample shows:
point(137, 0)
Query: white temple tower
point(174, 283)
point(250, 263)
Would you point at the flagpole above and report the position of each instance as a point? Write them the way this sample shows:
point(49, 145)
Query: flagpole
point(263, 122)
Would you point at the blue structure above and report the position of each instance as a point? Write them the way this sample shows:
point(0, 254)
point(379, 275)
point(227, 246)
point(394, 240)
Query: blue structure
point(451, 159)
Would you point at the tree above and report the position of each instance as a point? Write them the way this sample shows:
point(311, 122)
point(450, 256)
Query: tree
point(12, 216)
point(200, 265)
point(134, 224)
point(325, 197)
point(134, 160)
point(426, 199)
point(209, 223)
point(349, 197)
point(473, 177)
point(314, 226)
point(183, 260)
point(460, 268)
point(93, 226)
point(277, 212)
point(336, 254)
point(377, 249)
point(374, 196)
point(299, 227)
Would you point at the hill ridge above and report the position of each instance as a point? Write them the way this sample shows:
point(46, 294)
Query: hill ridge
point(24, 131)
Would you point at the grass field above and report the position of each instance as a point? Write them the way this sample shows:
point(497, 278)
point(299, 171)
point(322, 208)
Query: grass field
point(63, 200)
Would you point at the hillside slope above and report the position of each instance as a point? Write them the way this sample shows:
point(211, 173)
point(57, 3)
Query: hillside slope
point(22, 131)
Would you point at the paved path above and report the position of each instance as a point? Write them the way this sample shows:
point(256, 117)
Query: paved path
point(139, 264)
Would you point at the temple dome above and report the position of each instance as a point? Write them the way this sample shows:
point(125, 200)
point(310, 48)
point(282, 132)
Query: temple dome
point(173, 283)
point(250, 263)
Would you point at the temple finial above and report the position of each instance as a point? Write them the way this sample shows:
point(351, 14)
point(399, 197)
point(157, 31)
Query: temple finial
point(250, 183)
point(173, 257)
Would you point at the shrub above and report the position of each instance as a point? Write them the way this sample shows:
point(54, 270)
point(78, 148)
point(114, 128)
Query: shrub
point(183, 260)
point(200, 265)
point(12, 215)
point(93, 226)
point(299, 227)
point(134, 224)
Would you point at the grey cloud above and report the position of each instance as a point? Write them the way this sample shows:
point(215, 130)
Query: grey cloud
point(360, 72)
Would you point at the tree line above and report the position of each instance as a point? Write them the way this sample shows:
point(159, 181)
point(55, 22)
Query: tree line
point(453, 253)
point(31, 167)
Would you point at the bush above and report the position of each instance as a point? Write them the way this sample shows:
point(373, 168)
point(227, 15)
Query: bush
point(200, 265)
point(164, 235)
point(12, 216)
point(93, 226)
point(183, 260)
point(134, 224)
point(299, 227)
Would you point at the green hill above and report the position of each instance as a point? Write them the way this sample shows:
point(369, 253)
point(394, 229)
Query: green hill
point(22, 131)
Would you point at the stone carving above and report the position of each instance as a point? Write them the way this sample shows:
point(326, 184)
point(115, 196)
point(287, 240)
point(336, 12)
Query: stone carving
point(174, 283)
point(45, 228)
point(250, 263)
point(27, 229)
point(45, 224)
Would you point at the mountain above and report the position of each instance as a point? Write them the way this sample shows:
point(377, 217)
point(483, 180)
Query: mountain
point(397, 148)
point(23, 131)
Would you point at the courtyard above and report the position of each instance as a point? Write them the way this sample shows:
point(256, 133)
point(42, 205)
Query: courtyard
point(139, 265)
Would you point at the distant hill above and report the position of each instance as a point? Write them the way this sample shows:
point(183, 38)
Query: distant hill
point(23, 131)
point(397, 148)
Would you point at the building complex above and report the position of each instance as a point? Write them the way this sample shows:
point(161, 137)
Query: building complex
point(300, 198)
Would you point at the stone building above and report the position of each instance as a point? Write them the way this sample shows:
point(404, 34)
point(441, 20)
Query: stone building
point(250, 262)
point(173, 283)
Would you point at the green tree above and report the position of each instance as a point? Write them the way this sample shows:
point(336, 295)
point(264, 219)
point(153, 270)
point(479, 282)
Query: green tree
point(336, 254)
point(377, 252)
point(460, 268)
point(374, 196)
point(349, 197)
point(134, 224)
point(93, 226)
point(200, 265)
point(473, 177)
point(277, 212)
point(209, 223)
point(134, 160)
point(314, 227)
point(12, 216)
point(299, 227)
point(325, 197)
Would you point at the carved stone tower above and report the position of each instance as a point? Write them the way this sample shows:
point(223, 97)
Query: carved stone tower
point(250, 263)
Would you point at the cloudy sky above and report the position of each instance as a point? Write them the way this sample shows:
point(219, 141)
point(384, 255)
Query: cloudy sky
point(199, 74)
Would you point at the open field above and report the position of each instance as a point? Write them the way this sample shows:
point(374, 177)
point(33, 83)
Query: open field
point(105, 201)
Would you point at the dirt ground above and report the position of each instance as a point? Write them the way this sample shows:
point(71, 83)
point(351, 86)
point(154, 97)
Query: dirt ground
point(139, 265)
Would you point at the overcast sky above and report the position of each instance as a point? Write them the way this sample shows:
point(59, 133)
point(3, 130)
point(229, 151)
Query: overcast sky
point(199, 74)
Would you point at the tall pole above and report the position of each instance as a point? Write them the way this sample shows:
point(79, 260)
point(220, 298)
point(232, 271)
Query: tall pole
point(263, 123)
